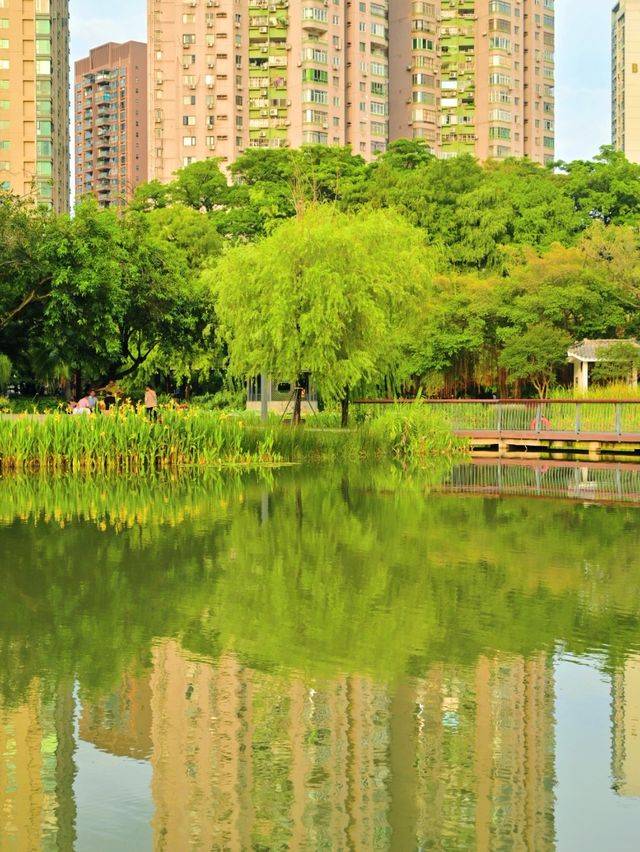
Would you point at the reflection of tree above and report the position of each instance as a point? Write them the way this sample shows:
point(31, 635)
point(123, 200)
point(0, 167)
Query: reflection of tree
point(386, 581)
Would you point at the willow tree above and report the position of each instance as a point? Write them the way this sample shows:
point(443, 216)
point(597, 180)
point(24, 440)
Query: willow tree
point(329, 293)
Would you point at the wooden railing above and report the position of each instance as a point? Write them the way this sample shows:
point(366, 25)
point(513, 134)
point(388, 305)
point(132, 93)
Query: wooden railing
point(588, 419)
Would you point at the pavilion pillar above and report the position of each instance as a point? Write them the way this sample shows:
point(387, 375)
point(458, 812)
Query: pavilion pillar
point(581, 373)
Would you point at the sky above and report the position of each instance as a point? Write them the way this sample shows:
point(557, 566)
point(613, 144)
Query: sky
point(582, 61)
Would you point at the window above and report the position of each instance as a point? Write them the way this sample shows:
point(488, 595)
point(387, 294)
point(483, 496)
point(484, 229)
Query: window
point(189, 141)
point(310, 13)
point(422, 44)
point(315, 75)
point(314, 96)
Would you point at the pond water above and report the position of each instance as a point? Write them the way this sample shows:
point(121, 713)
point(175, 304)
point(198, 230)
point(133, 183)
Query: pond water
point(321, 659)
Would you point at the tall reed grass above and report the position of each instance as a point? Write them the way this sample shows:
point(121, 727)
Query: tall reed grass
point(127, 441)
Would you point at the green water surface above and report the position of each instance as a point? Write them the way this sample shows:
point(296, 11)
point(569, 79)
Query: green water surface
point(317, 659)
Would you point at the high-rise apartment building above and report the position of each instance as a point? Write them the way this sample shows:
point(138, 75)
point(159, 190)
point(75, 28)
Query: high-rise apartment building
point(625, 78)
point(34, 100)
point(467, 76)
point(474, 76)
point(197, 76)
point(226, 75)
point(110, 99)
point(318, 74)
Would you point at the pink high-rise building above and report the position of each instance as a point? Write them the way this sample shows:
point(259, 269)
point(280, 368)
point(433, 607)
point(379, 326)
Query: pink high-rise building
point(226, 75)
point(474, 76)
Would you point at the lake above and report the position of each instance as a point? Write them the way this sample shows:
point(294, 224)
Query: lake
point(322, 658)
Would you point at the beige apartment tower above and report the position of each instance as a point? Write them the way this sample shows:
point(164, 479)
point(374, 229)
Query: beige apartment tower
point(227, 75)
point(474, 76)
point(34, 100)
point(625, 78)
point(110, 98)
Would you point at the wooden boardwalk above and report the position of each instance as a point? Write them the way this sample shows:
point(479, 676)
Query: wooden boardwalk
point(511, 426)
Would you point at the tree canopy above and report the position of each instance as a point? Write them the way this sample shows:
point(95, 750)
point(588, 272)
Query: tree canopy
point(329, 292)
point(510, 246)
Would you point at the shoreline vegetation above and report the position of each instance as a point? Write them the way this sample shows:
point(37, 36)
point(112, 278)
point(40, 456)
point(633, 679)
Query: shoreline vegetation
point(125, 441)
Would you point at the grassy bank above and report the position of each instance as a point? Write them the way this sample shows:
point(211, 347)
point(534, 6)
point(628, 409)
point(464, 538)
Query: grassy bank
point(128, 441)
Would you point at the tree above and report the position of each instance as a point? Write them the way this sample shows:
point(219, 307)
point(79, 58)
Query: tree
point(24, 279)
point(606, 189)
point(191, 232)
point(535, 355)
point(201, 185)
point(329, 293)
point(118, 293)
point(618, 363)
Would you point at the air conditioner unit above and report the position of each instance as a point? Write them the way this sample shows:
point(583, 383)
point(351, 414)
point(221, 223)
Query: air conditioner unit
point(263, 134)
point(273, 113)
point(287, 123)
point(192, 86)
point(210, 24)
point(210, 65)
point(264, 29)
point(325, 125)
point(264, 112)
point(209, 86)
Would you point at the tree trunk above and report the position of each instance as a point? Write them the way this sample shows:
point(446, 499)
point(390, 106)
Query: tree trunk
point(297, 407)
point(344, 403)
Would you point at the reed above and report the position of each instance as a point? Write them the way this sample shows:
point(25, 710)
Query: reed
point(125, 441)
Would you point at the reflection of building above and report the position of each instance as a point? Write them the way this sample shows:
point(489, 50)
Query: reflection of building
point(626, 729)
point(485, 762)
point(36, 772)
point(111, 122)
point(120, 723)
point(34, 100)
point(246, 757)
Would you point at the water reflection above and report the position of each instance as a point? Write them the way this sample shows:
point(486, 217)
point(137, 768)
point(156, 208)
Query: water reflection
point(338, 660)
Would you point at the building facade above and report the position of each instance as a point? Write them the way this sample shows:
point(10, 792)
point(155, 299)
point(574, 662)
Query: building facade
point(625, 78)
point(34, 100)
point(197, 78)
point(110, 100)
point(474, 77)
point(468, 77)
point(226, 75)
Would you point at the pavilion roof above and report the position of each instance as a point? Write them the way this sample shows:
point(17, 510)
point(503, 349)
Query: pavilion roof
point(595, 350)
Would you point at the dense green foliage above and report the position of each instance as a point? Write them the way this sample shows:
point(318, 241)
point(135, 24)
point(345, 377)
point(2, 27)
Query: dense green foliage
point(506, 251)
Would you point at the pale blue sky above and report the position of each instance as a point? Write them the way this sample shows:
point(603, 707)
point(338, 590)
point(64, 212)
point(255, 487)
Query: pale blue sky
point(582, 57)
